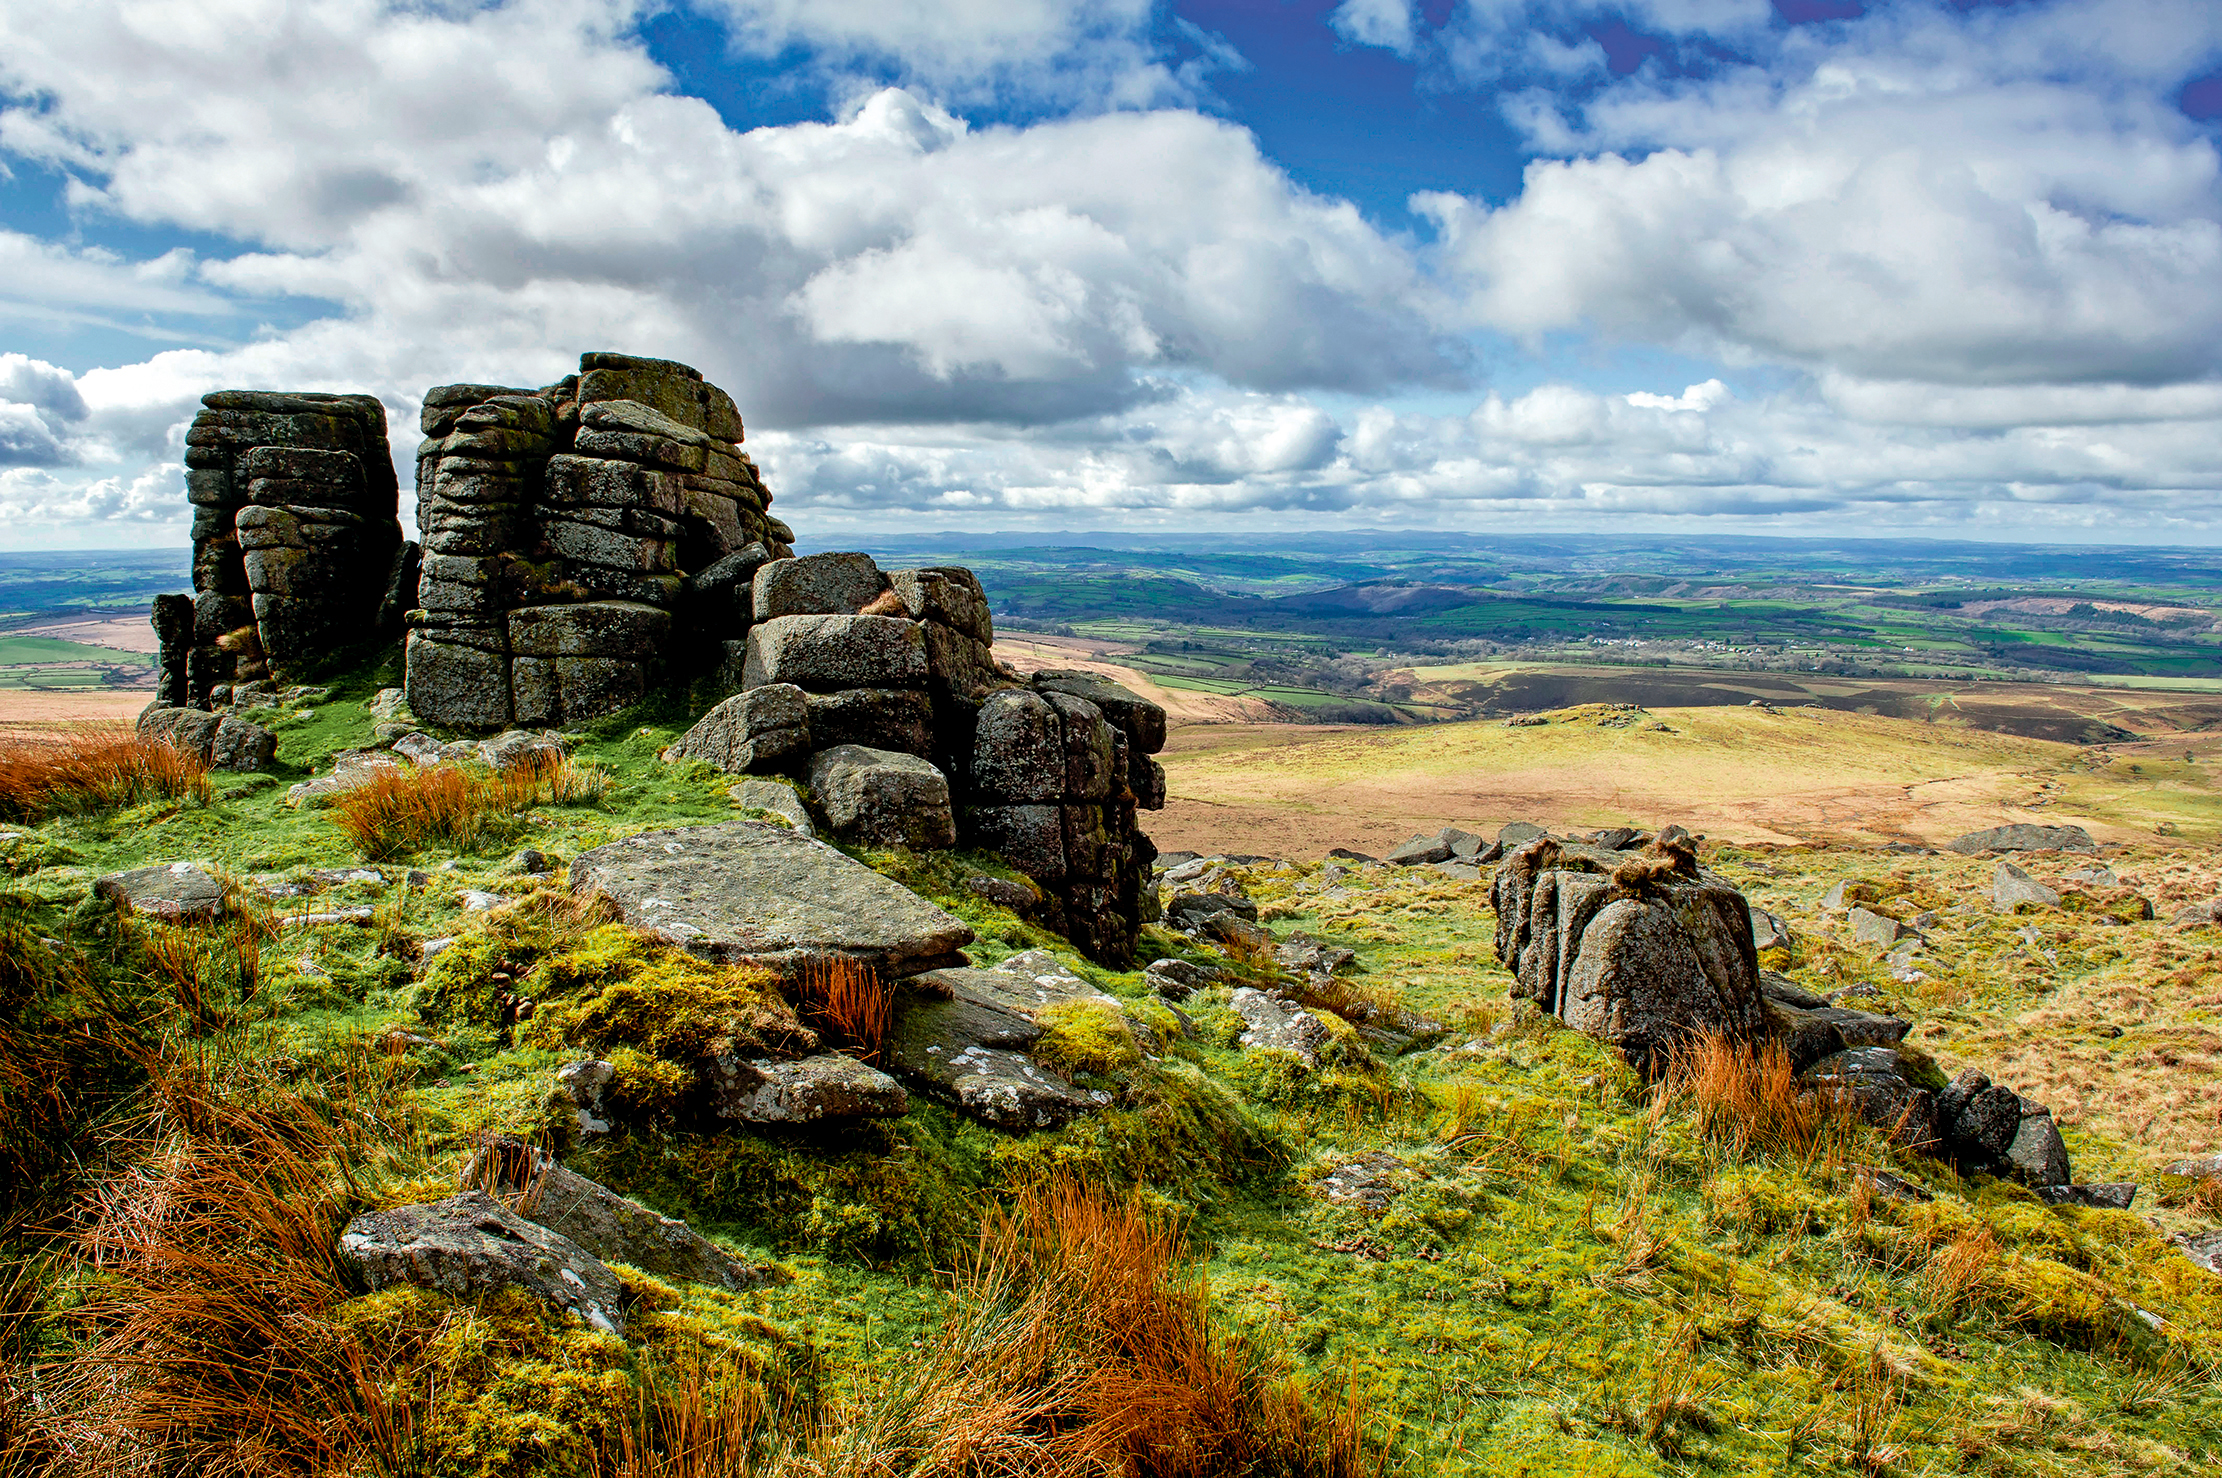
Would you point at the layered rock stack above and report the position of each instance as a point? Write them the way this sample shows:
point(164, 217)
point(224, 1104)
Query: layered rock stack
point(562, 528)
point(296, 543)
point(589, 541)
point(882, 692)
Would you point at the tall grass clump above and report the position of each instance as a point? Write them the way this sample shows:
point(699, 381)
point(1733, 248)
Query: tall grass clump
point(206, 1344)
point(1083, 1344)
point(846, 999)
point(1746, 1098)
point(94, 767)
point(401, 811)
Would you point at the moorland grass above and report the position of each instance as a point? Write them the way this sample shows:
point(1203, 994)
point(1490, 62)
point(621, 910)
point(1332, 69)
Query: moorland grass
point(92, 767)
point(1574, 1274)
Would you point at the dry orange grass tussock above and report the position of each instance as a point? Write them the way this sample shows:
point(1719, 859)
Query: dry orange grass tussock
point(1746, 1098)
point(846, 999)
point(401, 811)
point(207, 1345)
point(90, 768)
point(1083, 1344)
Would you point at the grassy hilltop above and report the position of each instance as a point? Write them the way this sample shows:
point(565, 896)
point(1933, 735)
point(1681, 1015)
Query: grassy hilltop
point(1501, 1254)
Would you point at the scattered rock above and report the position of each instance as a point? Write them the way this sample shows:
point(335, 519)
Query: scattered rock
point(477, 900)
point(762, 729)
point(1371, 1181)
point(1894, 1187)
point(584, 1083)
point(2209, 912)
point(219, 741)
point(2023, 837)
point(1769, 931)
point(1177, 980)
point(351, 770)
point(1346, 855)
point(1518, 833)
point(962, 1035)
point(2111, 1195)
point(2038, 1156)
point(471, 1244)
point(2011, 887)
point(1276, 1026)
point(611, 1227)
point(531, 862)
point(882, 798)
point(2203, 1248)
point(830, 1085)
point(777, 797)
point(1987, 1127)
point(1444, 845)
point(2199, 1167)
point(1877, 1083)
point(750, 890)
point(1874, 929)
point(1187, 912)
point(1020, 898)
point(1308, 956)
point(174, 892)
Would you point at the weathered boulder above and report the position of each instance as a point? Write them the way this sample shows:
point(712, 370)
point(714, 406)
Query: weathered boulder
point(1274, 1025)
point(1177, 980)
point(2038, 1156)
point(752, 890)
point(586, 1083)
point(1988, 1125)
point(471, 1244)
point(880, 798)
point(613, 1228)
point(174, 892)
point(1878, 931)
point(2023, 837)
point(1878, 1083)
point(962, 1036)
point(1769, 931)
point(825, 654)
point(877, 718)
point(1142, 721)
point(1441, 846)
point(219, 741)
point(2011, 888)
point(761, 729)
point(817, 585)
point(1642, 957)
point(779, 798)
point(830, 1085)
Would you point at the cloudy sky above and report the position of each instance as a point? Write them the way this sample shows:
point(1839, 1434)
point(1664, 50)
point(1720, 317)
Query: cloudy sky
point(1936, 267)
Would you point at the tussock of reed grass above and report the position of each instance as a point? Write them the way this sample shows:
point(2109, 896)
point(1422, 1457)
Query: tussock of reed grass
point(207, 1346)
point(1084, 1345)
point(1746, 1098)
point(402, 811)
point(846, 999)
point(94, 767)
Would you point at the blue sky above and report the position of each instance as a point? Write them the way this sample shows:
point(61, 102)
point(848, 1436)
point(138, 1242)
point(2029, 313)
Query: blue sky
point(1781, 266)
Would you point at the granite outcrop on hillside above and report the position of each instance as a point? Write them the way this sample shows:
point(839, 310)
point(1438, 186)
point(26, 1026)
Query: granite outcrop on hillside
point(590, 542)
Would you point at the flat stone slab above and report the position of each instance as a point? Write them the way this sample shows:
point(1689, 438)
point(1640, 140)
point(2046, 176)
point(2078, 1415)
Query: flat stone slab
point(830, 1085)
point(747, 890)
point(962, 1036)
point(471, 1243)
point(2023, 837)
point(1276, 1026)
point(174, 892)
point(611, 1227)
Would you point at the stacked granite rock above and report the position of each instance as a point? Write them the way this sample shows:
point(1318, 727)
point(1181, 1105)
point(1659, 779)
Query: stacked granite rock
point(881, 691)
point(296, 543)
point(561, 527)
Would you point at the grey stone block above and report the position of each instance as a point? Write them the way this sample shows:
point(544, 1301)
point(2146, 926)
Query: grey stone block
point(817, 585)
point(882, 798)
point(878, 718)
point(825, 654)
point(590, 629)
